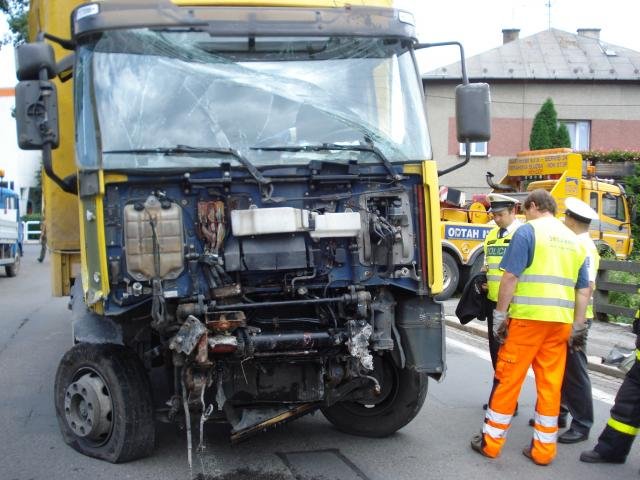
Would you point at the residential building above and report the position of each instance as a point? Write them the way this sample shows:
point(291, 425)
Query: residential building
point(594, 86)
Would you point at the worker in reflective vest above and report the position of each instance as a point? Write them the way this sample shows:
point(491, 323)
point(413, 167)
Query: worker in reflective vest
point(545, 289)
point(503, 209)
point(577, 398)
point(622, 428)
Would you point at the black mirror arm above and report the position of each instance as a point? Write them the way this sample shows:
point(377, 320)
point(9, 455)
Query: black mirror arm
point(463, 65)
point(66, 44)
point(465, 81)
point(467, 157)
point(64, 68)
point(68, 185)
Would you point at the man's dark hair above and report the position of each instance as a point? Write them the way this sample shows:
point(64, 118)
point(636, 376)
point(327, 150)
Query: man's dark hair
point(543, 200)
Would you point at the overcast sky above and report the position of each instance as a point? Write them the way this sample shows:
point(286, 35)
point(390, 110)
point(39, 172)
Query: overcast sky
point(478, 25)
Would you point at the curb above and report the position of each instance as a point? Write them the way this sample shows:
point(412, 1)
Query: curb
point(480, 332)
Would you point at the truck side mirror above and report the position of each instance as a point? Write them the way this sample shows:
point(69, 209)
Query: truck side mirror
point(36, 99)
point(37, 114)
point(473, 112)
point(32, 58)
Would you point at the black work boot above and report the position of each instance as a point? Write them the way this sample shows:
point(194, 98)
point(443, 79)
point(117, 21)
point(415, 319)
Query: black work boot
point(591, 456)
point(572, 436)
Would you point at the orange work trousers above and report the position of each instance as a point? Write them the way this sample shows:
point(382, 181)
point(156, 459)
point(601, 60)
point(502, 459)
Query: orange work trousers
point(542, 345)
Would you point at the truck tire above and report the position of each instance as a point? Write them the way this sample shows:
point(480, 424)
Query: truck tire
point(402, 396)
point(13, 269)
point(451, 273)
point(103, 403)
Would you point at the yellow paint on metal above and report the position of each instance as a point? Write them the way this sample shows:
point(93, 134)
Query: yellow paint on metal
point(102, 239)
point(478, 213)
point(545, 162)
point(412, 169)
point(114, 178)
point(433, 227)
point(453, 214)
point(432, 224)
point(64, 267)
point(60, 209)
point(84, 270)
point(52, 16)
point(95, 254)
point(284, 3)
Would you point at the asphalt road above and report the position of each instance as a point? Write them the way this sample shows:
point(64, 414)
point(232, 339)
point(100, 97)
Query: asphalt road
point(35, 332)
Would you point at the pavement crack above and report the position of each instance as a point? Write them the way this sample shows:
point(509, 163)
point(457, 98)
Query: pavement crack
point(26, 420)
point(13, 335)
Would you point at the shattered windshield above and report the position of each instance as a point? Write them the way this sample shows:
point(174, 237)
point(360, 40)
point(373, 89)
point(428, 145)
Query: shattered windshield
point(153, 90)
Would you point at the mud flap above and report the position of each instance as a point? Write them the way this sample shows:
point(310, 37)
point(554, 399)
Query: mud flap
point(89, 327)
point(420, 321)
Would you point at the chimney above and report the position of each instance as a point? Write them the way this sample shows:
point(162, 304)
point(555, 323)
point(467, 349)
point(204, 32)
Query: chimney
point(510, 34)
point(589, 33)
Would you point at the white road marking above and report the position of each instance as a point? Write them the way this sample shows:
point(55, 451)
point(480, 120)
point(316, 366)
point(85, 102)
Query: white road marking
point(596, 392)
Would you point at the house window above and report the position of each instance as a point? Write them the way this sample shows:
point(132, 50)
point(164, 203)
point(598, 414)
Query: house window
point(478, 149)
point(580, 133)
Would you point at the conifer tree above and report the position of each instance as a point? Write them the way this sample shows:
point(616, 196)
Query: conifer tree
point(545, 132)
point(563, 139)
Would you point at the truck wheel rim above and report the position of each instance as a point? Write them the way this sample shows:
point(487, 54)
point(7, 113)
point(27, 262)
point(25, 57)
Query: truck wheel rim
point(88, 407)
point(446, 277)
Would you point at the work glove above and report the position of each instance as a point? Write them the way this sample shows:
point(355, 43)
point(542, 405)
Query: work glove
point(500, 326)
point(578, 338)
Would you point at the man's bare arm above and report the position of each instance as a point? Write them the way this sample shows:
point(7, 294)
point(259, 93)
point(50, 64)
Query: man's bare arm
point(505, 294)
point(583, 296)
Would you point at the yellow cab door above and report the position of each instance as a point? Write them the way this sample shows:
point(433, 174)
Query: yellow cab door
point(614, 227)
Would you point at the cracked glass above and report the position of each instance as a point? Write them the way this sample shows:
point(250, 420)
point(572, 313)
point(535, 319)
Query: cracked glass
point(158, 89)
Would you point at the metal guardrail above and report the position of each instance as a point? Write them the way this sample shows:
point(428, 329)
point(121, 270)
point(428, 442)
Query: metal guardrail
point(601, 305)
point(32, 231)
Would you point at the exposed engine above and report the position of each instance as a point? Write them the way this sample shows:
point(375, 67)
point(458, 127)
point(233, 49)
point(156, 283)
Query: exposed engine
point(269, 307)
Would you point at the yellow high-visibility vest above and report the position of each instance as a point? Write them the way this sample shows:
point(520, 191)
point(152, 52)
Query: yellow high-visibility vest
point(592, 253)
point(546, 289)
point(494, 249)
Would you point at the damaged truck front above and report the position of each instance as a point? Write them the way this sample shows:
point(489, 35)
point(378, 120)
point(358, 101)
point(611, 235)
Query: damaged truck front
point(258, 214)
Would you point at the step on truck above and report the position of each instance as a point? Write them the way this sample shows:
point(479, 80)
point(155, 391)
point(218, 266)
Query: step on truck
point(10, 228)
point(238, 195)
point(560, 171)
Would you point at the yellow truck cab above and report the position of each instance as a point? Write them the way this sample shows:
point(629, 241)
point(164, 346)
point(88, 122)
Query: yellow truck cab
point(240, 193)
point(561, 172)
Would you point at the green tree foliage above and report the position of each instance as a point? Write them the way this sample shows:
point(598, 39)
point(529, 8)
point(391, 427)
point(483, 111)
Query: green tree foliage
point(544, 127)
point(563, 139)
point(546, 132)
point(16, 12)
point(632, 186)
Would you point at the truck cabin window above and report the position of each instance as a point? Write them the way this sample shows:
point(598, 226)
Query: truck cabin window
point(158, 89)
point(613, 206)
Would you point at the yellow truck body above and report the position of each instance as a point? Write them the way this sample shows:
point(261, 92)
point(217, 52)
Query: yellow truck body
point(240, 192)
point(564, 174)
point(64, 215)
